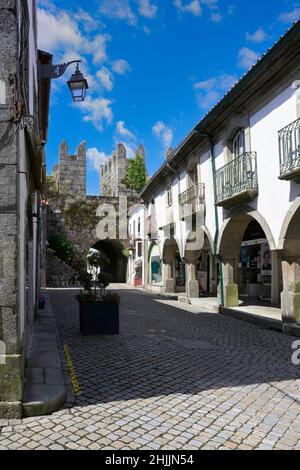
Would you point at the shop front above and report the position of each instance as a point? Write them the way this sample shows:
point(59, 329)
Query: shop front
point(255, 265)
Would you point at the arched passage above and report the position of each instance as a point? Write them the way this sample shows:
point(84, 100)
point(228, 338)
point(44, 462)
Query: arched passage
point(201, 269)
point(174, 267)
point(290, 236)
point(249, 262)
point(116, 253)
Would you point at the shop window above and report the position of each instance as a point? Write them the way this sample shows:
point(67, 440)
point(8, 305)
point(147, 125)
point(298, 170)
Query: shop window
point(155, 266)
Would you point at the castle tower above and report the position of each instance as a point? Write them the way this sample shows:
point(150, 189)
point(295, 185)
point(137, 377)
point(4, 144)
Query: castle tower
point(114, 171)
point(71, 173)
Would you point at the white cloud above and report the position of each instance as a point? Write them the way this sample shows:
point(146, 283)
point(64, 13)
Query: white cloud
point(122, 131)
point(193, 7)
point(106, 78)
point(59, 32)
point(118, 9)
point(97, 47)
point(259, 36)
point(209, 92)
point(290, 16)
point(147, 9)
point(88, 22)
point(97, 110)
point(247, 57)
point(95, 158)
point(163, 133)
point(56, 30)
point(121, 66)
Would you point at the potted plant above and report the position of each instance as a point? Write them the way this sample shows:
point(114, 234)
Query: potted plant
point(98, 308)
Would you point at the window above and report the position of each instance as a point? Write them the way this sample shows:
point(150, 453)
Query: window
point(169, 197)
point(133, 229)
point(238, 144)
point(139, 249)
point(139, 226)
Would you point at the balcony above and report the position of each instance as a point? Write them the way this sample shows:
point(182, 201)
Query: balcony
point(192, 200)
point(237, 181)
point(289, 151)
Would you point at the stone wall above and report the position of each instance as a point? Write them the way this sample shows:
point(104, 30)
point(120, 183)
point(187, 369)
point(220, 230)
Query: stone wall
point(10, 340)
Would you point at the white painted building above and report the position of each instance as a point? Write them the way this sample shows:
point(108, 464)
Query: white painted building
point(225, 206)
point(136, 231)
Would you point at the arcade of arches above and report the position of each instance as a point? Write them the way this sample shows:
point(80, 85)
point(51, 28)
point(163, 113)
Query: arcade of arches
point(255, 271)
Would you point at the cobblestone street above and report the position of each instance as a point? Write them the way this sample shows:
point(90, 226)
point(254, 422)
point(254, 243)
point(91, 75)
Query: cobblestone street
point(173, 379)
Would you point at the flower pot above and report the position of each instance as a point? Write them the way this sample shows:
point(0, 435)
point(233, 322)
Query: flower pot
point(99, 319)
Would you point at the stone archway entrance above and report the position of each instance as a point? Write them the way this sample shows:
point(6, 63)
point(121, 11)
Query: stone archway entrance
point(249, 260)
point(116, 253)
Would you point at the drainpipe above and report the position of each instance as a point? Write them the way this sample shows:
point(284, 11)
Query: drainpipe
point(215, 243)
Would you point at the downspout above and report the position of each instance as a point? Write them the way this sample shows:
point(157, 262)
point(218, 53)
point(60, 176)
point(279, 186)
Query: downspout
point(215, 242)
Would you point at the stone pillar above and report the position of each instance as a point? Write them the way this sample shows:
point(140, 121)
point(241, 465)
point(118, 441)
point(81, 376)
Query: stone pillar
point(192, 283)
point(290, 297)
point(169, 281)
point(230, 288)
point(275, 294)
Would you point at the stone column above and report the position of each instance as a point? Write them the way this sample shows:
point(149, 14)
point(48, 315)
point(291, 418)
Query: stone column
point(275, 294)
point(230, 288)
point(290, 297)
point(169, 281)
point(192, 283)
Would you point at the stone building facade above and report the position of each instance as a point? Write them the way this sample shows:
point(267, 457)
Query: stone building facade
point(24, 108)
point(113, 173)
point(70, 174)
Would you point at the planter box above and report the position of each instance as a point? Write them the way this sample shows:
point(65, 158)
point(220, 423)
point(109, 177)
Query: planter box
point(99, 319)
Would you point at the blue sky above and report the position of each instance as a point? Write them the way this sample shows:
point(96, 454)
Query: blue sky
point(154, 67)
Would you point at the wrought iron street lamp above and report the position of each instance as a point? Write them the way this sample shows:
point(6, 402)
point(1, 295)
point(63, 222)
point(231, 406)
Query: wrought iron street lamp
point(77, 83)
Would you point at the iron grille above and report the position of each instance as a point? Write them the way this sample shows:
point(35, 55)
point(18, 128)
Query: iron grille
point(237, 176)
point(289, 147)
point(192, 200)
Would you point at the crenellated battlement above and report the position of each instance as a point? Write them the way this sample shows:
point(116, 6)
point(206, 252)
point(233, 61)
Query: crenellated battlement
point(113, 172)
point(70, 173)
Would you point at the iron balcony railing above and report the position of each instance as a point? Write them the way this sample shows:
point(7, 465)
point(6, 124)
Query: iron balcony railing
point(289, 148)
point(236, 177)
point(192, 200)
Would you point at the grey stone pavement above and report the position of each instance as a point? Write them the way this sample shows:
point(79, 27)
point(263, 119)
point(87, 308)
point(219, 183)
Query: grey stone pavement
point(173, 379)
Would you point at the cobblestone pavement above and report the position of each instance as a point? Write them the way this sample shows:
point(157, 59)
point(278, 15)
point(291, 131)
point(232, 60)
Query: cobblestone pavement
point(171, 380)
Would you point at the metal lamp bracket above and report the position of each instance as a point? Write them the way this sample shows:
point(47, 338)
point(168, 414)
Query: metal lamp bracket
point(49, 71)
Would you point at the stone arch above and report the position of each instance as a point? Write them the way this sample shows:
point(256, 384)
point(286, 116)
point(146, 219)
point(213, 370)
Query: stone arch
point(206, 233)
point(286, 226)
point(115, 250)
point(235, 276)
point(153, 244)
point(243, 215)
point(155, 269)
